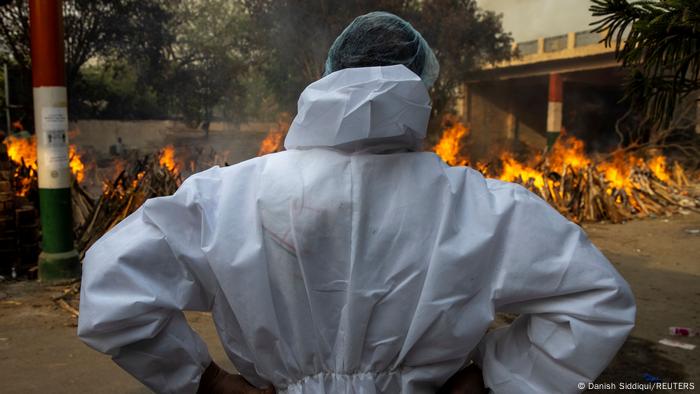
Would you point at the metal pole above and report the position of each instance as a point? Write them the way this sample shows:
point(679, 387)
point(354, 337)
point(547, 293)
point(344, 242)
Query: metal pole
point(7, 98)
point(58, 259)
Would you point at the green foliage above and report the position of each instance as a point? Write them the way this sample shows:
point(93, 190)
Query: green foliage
point(206, 63)
point(102, 31)
point(113, 91)
point(201, 59)
point(659, 43)
point(289, 40)
point(93, 29)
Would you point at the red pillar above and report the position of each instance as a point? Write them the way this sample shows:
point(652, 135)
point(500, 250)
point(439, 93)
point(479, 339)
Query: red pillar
point(554, 108)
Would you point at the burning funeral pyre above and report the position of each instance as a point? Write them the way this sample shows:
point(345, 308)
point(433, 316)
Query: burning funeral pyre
point(134, 182)
point(618, 187)
point(615, 188)
point(148, 177)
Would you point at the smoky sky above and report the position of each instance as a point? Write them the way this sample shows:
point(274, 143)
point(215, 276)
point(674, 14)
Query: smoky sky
point(530, 19)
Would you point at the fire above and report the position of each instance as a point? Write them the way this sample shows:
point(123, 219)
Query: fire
point(271, 143)
point(568, 151)
point(76, 165)
point(449, 148)
point(22, 150)
point(167, 159)
point(657, 165)
point(617, 171)
point(139, 177)
point(513, 171)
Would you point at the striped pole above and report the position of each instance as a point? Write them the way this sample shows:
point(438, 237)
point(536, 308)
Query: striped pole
point(554, 108)
point(58, 259)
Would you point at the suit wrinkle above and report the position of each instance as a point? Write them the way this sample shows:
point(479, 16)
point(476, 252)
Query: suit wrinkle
point(266, 262)
point(307, 287)
point(354, 239)
point(430, 266)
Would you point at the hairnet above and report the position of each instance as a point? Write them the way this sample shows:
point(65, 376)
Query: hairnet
point(383, 39)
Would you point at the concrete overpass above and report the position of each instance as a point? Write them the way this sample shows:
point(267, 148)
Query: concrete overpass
point(569, 81)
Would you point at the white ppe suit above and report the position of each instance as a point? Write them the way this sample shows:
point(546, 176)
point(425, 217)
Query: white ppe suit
point(351, 263)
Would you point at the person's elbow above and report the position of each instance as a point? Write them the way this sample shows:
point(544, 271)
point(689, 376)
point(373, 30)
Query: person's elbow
point(609, 314)
point(93, 327)
point(623, 306)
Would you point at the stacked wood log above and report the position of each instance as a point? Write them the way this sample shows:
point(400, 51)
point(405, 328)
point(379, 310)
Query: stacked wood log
point(121, 196)
point(585, 195)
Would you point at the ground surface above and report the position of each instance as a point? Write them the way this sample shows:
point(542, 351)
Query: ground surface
point(39, 352)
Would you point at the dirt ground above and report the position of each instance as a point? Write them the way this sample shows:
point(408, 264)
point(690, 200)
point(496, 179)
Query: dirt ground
point(39, 352)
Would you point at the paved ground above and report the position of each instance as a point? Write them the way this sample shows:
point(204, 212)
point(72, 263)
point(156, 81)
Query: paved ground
point(39, 352)
point(660, 259)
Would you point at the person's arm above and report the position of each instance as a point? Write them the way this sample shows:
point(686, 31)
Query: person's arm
point(141, 275)
point(575, 309)
point(468, 380)
point(217, 381)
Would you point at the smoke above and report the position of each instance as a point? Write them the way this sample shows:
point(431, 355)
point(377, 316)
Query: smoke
point(530, 19)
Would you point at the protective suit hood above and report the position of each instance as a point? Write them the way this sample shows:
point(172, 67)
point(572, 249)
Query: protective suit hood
point(362, 109)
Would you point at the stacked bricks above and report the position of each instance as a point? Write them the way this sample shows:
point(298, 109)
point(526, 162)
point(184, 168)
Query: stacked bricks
point(9, 253)
point(19, 226)
point(27, 222)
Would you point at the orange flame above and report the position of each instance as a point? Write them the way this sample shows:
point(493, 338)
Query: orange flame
point(449, 148)
point(271, 143)
point(514, 171)
point(657, 165)
point(167, 159)
point(139, 176)
point(23, 150)
point(568, 151)
point(76, 165)
point(275, 136)
point(618, 170)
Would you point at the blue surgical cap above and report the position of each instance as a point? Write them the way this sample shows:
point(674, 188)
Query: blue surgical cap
point(383, 39)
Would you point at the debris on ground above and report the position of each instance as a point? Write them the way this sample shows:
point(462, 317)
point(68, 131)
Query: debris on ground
point(678, 344)
point(69, 298)
point(683, 332)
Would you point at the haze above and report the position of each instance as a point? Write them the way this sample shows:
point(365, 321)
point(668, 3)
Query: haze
point(530, 19)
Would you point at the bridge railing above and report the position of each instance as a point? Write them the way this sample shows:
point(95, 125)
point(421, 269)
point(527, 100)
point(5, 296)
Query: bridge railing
point(570, 41)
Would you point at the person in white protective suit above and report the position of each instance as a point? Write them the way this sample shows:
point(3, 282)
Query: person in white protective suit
point(354, 262)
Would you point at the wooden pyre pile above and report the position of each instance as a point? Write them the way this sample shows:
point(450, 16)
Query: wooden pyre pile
point(586, 195)
point(121, 196)
point(618, 187)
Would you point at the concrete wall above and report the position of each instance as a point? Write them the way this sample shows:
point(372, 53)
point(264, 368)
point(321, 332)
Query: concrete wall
point(504, 111)
point(149, 135)
point(500, 113)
